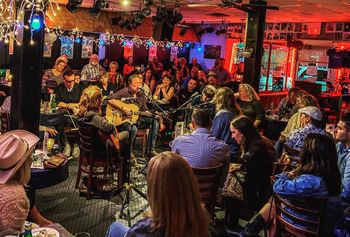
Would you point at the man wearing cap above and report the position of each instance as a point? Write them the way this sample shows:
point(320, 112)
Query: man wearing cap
point(92, 69)
point(310, 119)
point(212, 79)
point(204, 100)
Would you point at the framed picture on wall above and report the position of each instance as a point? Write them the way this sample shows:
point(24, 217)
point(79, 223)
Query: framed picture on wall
point(67, 45)
point(87, 47)
point(129, 50)
point(152, 52)
point(330, 27)
point(47, 49)
point(346, 37)
point(212, 51)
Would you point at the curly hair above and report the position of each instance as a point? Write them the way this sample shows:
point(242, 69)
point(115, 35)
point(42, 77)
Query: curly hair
point(90, 100)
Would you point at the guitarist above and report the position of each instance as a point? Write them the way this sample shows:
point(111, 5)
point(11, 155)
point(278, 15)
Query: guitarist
point(132, 91)
point(90, 113)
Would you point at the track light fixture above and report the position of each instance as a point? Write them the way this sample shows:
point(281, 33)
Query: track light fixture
point(97, 7)
point(73, 5)
point(183, 32)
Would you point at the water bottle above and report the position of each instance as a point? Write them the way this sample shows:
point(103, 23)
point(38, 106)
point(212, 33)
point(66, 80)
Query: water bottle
point(53, 103)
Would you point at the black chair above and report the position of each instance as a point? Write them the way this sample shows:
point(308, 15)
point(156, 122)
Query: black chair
point(208, 181)
point(308, 220)
point(97, 152)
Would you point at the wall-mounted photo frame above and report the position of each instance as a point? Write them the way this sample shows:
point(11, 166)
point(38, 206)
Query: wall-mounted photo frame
point(330, 27)
point(67, 46)
point(339, 27)
point(212, 51)
point(87, 47)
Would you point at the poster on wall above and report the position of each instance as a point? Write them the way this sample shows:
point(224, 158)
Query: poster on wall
point(330, 27)
point(47, 49)
point(67, 45)
point(212, 51)
point(173, 53)
point(346, 37)
point(152, 52)
point(339, 27)
point(129, 50)
point(87, 47)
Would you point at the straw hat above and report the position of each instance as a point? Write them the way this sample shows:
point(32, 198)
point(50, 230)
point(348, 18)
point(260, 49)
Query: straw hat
point(15, 148)
point(312, 111)
point(212, 74)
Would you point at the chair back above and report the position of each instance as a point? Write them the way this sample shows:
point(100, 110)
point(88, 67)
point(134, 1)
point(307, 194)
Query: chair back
point(89, 141)
point(208, 181)
point(5, 122)
point(299, 216)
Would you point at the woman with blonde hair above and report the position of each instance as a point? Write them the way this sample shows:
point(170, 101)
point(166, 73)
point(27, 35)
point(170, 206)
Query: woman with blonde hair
point(90, 114)
point(16, 148)
point(249, 101)
point(173, 195)
point(226, 110)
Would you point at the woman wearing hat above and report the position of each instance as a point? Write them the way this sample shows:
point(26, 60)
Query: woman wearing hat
point(15, 150)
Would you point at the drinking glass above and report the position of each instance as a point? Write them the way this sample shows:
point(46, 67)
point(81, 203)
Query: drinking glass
point(49, 144)
point(82, 234)
point(9, 233)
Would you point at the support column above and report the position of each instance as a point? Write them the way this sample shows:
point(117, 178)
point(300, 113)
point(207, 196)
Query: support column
point(254, 40)
point(26, 84)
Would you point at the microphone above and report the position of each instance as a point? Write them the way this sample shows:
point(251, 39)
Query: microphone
point(194, 95)
point(205, 103)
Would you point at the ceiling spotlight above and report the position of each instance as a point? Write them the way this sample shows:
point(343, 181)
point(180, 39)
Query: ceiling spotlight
point(182, 32)
point(156, 19)
point(73, 5)
point(232, 2)
point(125, 2)
point(177, 18)
point(97, 7)
point(162, 13)
point(139, 17)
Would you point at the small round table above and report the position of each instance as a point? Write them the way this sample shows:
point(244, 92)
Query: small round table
point(44, 178)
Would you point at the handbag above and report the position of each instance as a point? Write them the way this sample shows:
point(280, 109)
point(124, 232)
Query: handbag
point(234, 184)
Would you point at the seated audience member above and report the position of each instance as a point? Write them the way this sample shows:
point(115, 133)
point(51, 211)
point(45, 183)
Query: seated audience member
point(317, 176)
point(302, 100)
point(77, 77)
point(90, 113)
point(212, 79)
point(185, 94)
point(115, 77)
point(91, 70)
point(149, 79)
point(202, 78)
point(226, 110)
point(156, 67)
point(178, 81)
point(310, 120)
point(254, 188)
point(55, 73)
point(67, 93)
point(129, 67)
point(223, 75)
point(210, 151)
point(287, 103)
point(106, 86)
point(164, 92)
point(342, 135)
point(185, 72)
point(195, 64)
point(249, 101)
point(104, 63)
point(175, 204)
point(194, 74)
point(15, 150)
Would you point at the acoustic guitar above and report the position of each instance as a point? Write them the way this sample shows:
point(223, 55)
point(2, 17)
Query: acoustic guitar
point(116, 116)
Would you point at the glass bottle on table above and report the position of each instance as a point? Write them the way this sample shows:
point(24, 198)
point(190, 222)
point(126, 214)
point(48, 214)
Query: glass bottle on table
point(28, 230)
point(53, 104)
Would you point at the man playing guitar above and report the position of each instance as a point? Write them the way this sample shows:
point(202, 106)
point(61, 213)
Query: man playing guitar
point(132, 91)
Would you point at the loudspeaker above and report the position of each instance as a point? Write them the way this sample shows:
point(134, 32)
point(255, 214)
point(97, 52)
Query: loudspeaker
point(163, 30)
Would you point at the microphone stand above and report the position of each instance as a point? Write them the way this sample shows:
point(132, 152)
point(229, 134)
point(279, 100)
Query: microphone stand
point(186, 108)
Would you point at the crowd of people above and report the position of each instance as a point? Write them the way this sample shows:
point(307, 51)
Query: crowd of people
point(226, 130)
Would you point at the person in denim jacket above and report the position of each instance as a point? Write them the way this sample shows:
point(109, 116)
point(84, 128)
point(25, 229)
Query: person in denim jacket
point(317, 176)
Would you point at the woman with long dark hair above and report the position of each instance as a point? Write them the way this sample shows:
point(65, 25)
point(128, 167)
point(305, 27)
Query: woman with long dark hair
point(173, 196)
point(316, 176)
point(129, 66)
point(253, 186)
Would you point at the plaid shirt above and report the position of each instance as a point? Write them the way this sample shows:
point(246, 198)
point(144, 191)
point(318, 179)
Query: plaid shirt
point(90, 71)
